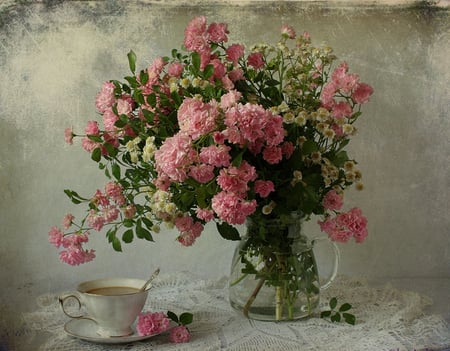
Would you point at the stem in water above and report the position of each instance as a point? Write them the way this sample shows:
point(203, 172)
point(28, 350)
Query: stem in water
point(252, 297)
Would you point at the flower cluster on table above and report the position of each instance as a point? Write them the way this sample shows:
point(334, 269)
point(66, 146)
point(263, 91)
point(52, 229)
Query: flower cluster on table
point(219, 133)
point(153, 323)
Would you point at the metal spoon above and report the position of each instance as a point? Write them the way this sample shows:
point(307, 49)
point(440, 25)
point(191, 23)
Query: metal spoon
point(153, 276)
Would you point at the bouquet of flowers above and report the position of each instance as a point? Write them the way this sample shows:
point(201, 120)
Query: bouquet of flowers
point(217, 132)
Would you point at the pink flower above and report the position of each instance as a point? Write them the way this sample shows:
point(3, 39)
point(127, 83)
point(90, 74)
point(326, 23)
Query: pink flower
point(235, 179)
point(179, 334)
point(273, 154)
point(100, 199)
point(55, 236)
point(129, 211)
point(109, 119)
point(332, 201)
point(205, 214)
point(189, 229)
point(249, 119)
point(92, 128)
point(236, 74)
point(355, 222)
point(217, 156)
point(75, 255)
point(67, 220)
point(218, 32)
point(195, 36)
point(345, 225)
point(264, 188)
point(115, 191)
point(342, 109)
point(174, 157)
point(105, 97)
point(124, 107)
point(230, 99)
point(89, 145)
point(197, 118)
point(327, 95)
point(235, 52)
point(68, 136)
point(288, 31)
point(202, 173)
point(95, 220)
point(273, 130)
point(288, 149)
point(256, 60)
point(110, 213)
point(175, 69)
point(150, 323)
point(362, 93)
point(334, 231)
point(232, 208)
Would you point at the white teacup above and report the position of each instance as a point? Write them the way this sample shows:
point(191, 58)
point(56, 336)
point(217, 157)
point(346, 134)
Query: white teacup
point(112, 303)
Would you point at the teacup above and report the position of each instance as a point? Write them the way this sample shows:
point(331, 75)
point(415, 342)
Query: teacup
point(112, 303)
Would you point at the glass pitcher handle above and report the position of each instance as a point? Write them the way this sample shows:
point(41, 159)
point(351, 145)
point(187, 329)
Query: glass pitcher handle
point(337, 257)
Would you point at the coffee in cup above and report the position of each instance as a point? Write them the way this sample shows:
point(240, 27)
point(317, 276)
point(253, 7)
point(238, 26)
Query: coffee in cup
point(113, 304)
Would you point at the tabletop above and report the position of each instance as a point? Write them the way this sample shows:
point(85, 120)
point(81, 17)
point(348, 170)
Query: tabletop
point(388, 318)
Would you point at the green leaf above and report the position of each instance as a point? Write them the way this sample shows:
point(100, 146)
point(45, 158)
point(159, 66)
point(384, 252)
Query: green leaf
point(349, 318)
point(115, 168)
point(112, 151)
point(132, 60)
point(186, 318)
point(117, 246)
point(325, 314)
point(208, 71)
point(345, 307)
point(336, 317)
point(309, 146)
point(227, 231)
point(172, 316)
point(96, 155)
point(333, 303)
point(142, 233)
point(127, 236)
point(196, 61)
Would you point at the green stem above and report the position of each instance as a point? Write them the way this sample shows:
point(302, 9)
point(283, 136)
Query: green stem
point(278, 303)
point(252, 297)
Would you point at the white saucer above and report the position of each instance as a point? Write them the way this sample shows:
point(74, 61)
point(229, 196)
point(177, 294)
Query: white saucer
point(85, 329)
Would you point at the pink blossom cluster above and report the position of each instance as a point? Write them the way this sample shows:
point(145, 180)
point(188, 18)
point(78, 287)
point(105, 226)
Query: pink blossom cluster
point(150, 323)
point(346, 225)
point(189, 230)
point(107, 206)
point(245, 126)
point(179, 334)
point(344, 84)
point(73, 252)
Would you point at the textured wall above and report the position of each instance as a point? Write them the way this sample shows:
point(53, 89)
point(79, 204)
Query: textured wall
point(53, 59)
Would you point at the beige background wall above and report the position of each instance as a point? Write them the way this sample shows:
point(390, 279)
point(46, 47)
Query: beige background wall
point(54, 58)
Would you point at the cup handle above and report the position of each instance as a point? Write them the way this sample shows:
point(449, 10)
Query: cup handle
point(62, 299)
point(337, 257)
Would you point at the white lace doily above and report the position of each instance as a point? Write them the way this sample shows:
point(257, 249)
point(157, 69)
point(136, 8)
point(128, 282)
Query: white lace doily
point(387, 319)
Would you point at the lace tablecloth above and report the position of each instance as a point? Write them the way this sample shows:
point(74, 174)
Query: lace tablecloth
point(387, 319)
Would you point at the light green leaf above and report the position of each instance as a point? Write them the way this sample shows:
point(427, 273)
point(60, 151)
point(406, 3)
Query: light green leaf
point(132, 60)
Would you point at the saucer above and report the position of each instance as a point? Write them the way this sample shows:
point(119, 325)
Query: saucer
point(85, 329)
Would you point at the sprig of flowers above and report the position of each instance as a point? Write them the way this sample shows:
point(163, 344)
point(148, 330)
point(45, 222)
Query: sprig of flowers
point(152, 323)
point(219, 133)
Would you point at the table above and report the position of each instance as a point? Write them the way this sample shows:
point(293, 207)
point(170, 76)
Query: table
point(388, 319)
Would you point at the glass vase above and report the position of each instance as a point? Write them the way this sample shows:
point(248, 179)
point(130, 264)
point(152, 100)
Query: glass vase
point(274, 274)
